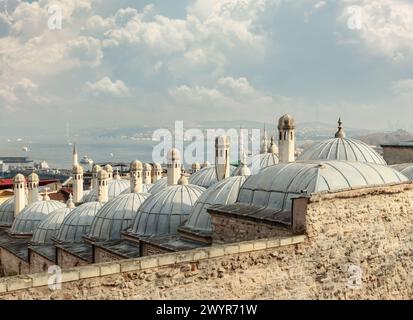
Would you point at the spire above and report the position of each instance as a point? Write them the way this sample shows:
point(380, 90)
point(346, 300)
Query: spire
point(241, 145)
point(75, 158)
point(70, 204)
point(264, 146)
point(340, 133)
point(46, 195)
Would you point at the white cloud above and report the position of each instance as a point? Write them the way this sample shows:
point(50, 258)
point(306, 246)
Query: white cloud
point(105, 87)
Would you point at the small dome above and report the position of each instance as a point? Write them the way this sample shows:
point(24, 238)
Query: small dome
point(157, 166)
point(196, 166)
point(162, 213)
point(77, 223)
point(174, 154)
point(19, 178)
point(109, 168)
point(261, 161)
point(30, 217)
point(49, 227)
point(116, 216)
point(158, 186)
point(286, 122)
point(405, 168)
point(7, 213)
point(136, 165)
point(77, 169)
point(33, 177)
point(147, 167)
point(207, 176)
point(96, 168)
point(275, 186)
point(206, 164)
point(224, 192)
point(103, 175)
point(115, 188)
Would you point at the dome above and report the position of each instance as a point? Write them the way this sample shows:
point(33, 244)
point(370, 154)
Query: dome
point(116, 216)
point(77, 223)
point(286, 122)
point(342, 149)
point(33, 177)
point(162, 213)
point(136, 165)
point(115, 188)
point(207, 176)
point(158, 186)
point(174, 154)
point(224, 192)
point(77, 169)
point(157, 166)
point(405, 168)
point(30, 217)
point(103, 175)
point(49, 227)
point(196, 166)
point(109, 168)
point(7, 212)
point(147, 167)
point(275, 186)
point(96, 168)
point(261, 161)
point(19, 178)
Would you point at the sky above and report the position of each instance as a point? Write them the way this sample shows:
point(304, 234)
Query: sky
point(136, 62)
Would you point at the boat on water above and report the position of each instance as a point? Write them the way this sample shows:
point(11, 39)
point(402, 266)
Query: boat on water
point(25, 149)
point(86, 160)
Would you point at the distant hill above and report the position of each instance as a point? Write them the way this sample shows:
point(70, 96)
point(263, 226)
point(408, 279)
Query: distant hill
point(378, 138)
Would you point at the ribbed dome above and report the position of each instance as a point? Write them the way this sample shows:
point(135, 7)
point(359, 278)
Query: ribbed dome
point(30, 217)
point(115, 188)
point(207, 176)
point(116, 216)
point(78, 223)
point(342, 149)
point(223, 192)
point(261, 161)
point(405, 168)
point(159, 185)
point(49, 227)
point(7, 212)
point(162, 213)
point(275, 186)
point(145, 189)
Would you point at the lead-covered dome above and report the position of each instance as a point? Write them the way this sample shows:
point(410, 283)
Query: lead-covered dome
point(115, 187)
point(162, 213)
point(30, 217)
point(207, 176)
point(405, 168)
point(342, 148)
point(48, 228)
point(261, 161)
point(158, 186)
point(224, 192)
point(116, 216)
point(77, 223)
point(275, 186)
point(7, 213)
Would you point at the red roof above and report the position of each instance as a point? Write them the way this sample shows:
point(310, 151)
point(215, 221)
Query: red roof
point(8, 183)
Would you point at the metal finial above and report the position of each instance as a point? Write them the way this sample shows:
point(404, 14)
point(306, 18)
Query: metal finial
point(340, 133)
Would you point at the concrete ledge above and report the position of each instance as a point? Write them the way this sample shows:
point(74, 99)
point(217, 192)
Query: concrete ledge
point(19, 282)
point(89, 272)
point(109, 268)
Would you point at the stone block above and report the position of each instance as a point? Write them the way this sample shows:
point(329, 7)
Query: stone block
point(70, 275)
point(260, 244)
point(89, 272)
point(18, 283)
point(149, 262)
point(273, 243)
point(184, 257)
point(216, 251)
point(40, 279)
point(231, 249)
point(200, 254)
point(109, 268)
point(3, 286)
point(246, 246)
point(167, 259)
point(130, 265)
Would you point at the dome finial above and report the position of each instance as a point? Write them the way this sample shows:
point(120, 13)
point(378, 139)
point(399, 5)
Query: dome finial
point(70, 204)
point(340, 133)
point(46, 195)
point(183, 180)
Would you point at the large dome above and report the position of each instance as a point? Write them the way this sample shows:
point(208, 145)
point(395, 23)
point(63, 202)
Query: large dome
point(49, 226)
point(30, 217)
point(263, 160)
point(7, 213)
point(162, 213)
point(159, 185)
point(223, 192)
point(116, 216)
point(115, 188)
point(145, 189)
point(207, 176)
point(275, 186)
point(78, 223)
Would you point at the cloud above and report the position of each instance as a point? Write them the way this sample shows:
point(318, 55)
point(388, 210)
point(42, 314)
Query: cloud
point(105, 87)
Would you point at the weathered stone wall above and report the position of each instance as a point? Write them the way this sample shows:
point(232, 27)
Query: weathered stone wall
point(12, 264)
point(229, 229)
point(359, 246)
point(38, 263)
point(150, 249)
point(101, 255)
point(67, 260)
point(397, 155)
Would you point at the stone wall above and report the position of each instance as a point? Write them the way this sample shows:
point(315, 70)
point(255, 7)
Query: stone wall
point(229, 229)
point(67, 260)
point(11, 264)
point(358, 246)
point(38, 263)
point(102, 255)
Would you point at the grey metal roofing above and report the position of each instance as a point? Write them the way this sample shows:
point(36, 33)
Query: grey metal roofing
point(49, 226)
point(116, 216)
point(275, 186)
point(207, 176)
point(115, 188)
point(405, 168)
point(18, 246)
point(7, 212)
point(163, 212)
point(124, 248)
point(342, 149)
point(159, 185)
point(223, 192)
point(261, 161)
point(47, 251)
point(30, 217)
point(77, 223)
